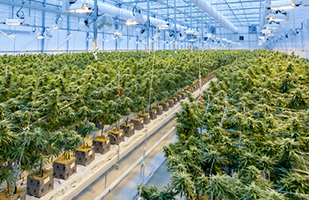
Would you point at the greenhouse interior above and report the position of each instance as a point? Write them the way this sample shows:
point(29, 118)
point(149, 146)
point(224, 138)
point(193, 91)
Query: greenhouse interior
point(154, 99)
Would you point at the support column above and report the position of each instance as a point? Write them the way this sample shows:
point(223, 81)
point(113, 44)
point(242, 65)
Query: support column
point(43, 26)
point(127, 38)
point(68, 33)
point(148, 25)
point(95, 30)
point(87, 42)
point(152, 40)
point(175, 28)
point(191, 25)
point(164, 44)
point(103, 40)
point(202, 35)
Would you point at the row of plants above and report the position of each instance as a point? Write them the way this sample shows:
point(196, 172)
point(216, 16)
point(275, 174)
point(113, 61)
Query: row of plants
point(248, 138)
point(49, 104)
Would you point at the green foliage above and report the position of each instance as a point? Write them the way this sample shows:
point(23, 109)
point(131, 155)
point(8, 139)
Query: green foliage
point(6, 175)
point(37, 149)
point(85, 130)
point(66, 141)
point(297, 101)
point(249, 139)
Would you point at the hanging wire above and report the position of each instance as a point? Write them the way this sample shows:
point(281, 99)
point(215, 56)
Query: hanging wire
point(14, 41)
point(20, 14)
point(143, 164)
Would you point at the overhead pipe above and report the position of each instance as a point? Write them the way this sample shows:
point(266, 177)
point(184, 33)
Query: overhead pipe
point(210, 10)
point(126, 14)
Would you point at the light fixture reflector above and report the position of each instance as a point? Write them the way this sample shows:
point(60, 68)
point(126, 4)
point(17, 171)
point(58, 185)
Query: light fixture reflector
point(12, 22)
point(282, 5)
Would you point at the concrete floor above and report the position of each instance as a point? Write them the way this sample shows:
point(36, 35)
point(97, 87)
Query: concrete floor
point(126, 189)
point(161, 177)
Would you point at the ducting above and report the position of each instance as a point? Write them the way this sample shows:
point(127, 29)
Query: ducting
point(210, 10)
point(126, 14)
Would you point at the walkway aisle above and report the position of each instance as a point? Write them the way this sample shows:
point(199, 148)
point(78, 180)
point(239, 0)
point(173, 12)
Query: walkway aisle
point(126, 189)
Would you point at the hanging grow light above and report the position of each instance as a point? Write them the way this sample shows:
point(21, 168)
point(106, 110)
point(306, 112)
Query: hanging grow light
point(282, 5)
point(40, 37)
point(155, 36)
point(196, 33)
point(131, 22)
point(189, 31)
point(209, 35)
point(265, 31)
point(84, 9)
point(272, 26)
point(70, 37)
point(58, 22)
point(81, 6)
point(164, 27)
point(117, 32)
point(12, 22)
point(270, 35)
point(54, 27)
point(277, 18)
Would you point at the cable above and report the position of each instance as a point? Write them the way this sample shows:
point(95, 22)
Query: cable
point(20, 14)
point(135, 10)
point(14, 41)
point(142, 171)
